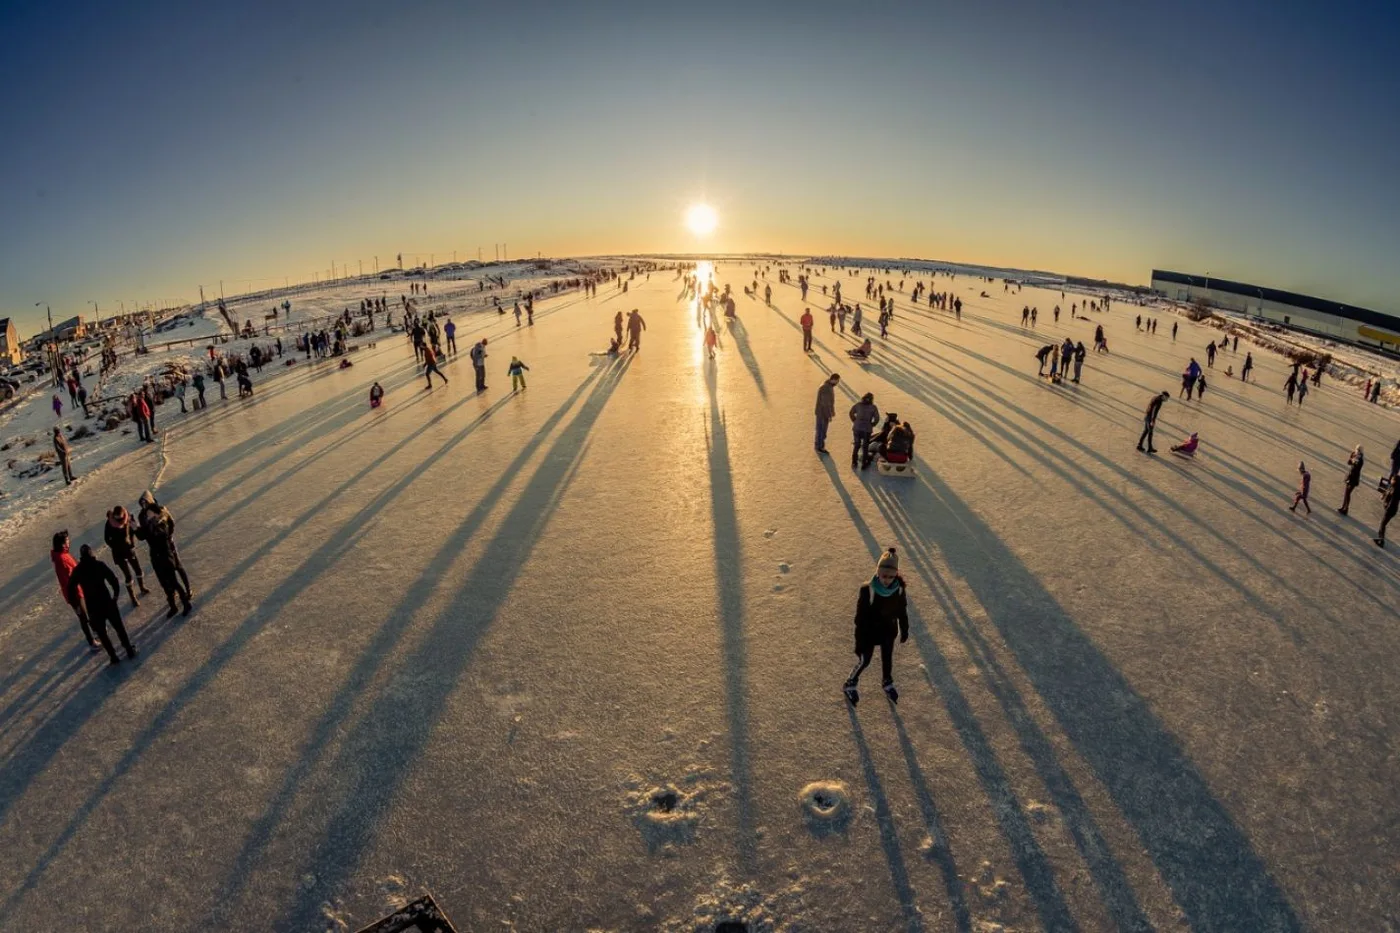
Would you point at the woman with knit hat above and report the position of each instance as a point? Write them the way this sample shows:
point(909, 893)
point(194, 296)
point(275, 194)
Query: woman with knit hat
point(882, 611)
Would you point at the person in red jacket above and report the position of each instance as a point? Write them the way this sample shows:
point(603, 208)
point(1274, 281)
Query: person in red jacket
point(807, 331)
point(63, 564)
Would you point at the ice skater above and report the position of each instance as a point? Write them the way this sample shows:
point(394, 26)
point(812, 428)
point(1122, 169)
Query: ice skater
point(517, 371)
point(882, 612)
point(89, 582)
point(635, 326)
point(806, 322)
point(1247, 367)
point(1149, 421)
point(156, 526)
point(1392, 501)
point(1304, 487)
point(826, 409)
point(120, 535)
point(430, 365)
point(376, 395)
point(1354, 464)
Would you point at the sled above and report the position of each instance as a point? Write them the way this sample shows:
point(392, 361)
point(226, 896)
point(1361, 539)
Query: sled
point(420, 916)
point(886, 468)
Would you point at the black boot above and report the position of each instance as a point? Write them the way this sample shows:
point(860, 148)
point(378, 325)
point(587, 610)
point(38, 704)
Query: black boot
point(130, 591)
point(141, 584)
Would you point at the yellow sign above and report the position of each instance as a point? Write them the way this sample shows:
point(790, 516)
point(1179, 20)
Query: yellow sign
point(1383, 336)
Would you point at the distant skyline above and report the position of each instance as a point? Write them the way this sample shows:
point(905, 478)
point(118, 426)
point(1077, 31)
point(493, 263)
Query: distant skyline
point(154, 149)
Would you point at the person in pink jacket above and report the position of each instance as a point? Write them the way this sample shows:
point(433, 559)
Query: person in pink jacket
point(1188, 446)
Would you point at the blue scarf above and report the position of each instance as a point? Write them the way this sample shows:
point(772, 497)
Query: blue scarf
point(879, 588)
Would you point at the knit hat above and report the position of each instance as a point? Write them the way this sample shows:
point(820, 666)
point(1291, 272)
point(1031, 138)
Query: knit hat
point(888, 561)
point(147, 498)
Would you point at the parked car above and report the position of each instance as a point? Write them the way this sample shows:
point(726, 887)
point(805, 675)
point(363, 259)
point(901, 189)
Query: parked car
point(9, 388)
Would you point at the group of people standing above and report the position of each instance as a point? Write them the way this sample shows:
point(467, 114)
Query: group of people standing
point(89, 585)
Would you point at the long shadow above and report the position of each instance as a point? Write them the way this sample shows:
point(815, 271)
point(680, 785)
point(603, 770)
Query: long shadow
point(889, 837)
point(930, 393)
point(729, 578)
point(741, 343)
point(31, 761)
point(1114, 887)
point(323, 418)
point(1216, 877)
point(379, 752)
point(1044, 454)
point(1030, 859)
point(254, 556)
point(371, 659)
point(933, 823)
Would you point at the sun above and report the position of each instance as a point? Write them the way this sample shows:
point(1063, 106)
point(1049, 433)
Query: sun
point(701, 219)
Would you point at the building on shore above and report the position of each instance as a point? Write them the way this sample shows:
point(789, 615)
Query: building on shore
point(10, 350)
point(75, 328)
point(1333, 319)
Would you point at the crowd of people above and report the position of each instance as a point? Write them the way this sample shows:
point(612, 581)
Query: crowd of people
point(90, 586)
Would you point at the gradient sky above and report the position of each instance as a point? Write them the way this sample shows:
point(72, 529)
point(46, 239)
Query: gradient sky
point(151, 150)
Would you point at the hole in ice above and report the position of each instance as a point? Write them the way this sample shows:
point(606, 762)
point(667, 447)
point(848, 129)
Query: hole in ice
point(665, 800)
point(731, 926)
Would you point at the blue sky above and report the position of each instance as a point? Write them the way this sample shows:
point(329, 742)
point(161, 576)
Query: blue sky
point(153, 150)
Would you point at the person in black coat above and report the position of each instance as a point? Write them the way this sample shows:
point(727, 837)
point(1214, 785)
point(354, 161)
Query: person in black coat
point(92, 578)
point(1354, 464)
point(120, 535)
point(157, 528)
point(1149, 421)
point(882, 611)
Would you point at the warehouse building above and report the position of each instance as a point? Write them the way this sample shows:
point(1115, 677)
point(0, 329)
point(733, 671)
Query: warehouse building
point(1290, 309)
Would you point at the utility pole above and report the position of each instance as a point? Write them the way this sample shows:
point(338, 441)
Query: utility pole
point(221, 289)
point(362, 267)
point(505, 253)
point(376, 264)
point(201, 295)
point(478, 254)
point(53, 344)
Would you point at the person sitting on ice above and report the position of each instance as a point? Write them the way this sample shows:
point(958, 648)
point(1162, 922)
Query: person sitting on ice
point(376, 395)
point(900, 448)
point(861, 352)
point(346, 364)
point(1188, 446)
point(877, 445)
point(245, 385)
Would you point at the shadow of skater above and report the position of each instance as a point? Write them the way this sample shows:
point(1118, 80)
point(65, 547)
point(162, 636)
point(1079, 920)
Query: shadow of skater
point(1215, 875)
point(729, 577)
point(889, 837)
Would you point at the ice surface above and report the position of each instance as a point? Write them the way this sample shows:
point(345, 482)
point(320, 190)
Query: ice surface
point(474, 644)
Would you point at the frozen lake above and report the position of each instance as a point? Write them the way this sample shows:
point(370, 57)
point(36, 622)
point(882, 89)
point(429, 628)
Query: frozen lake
point(568, 658)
